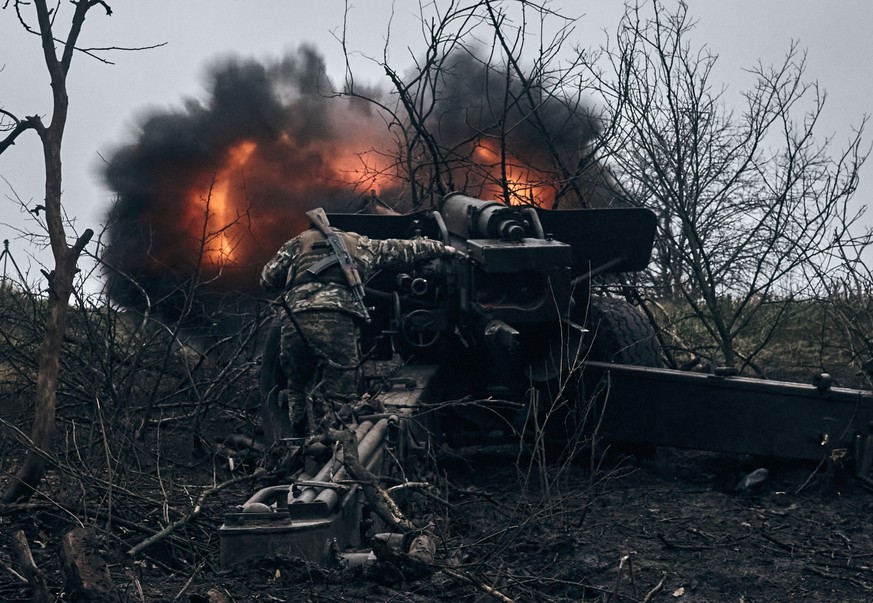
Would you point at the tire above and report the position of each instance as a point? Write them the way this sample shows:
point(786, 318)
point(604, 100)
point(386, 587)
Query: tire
point(274, 418)
point(621, 334)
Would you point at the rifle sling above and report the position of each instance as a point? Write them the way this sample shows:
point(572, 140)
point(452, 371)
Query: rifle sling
point(339, 248)
point(346, 262)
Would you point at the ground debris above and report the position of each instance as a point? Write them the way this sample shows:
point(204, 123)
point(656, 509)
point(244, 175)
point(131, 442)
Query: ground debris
point(556, 535)
point(88, 577)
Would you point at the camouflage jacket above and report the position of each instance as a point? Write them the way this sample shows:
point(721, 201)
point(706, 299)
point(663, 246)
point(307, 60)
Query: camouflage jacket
point(287, 271)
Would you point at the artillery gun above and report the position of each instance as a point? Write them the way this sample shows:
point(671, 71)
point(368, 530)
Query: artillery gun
point(506, 323)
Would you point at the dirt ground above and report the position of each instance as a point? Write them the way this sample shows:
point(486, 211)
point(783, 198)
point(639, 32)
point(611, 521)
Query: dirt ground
point(669, 527)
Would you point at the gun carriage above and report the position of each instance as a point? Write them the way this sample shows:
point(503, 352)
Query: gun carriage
point(508, 322)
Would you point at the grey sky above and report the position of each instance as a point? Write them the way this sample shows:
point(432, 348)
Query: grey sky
point(107, 100)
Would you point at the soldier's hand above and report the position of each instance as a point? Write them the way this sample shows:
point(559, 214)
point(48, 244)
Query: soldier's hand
point(449, 251)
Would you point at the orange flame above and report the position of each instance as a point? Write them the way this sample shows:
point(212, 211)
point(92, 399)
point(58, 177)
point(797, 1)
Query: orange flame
point(524, 184)
point(224, 212)
point(219, 208)
point(233, 230)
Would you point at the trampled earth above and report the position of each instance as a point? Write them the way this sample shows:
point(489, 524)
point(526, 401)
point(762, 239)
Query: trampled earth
point(672, 526)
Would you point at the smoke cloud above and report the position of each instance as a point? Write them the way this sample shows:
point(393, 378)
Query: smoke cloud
point(207, 192)
point(480, 102)
point(234, 172)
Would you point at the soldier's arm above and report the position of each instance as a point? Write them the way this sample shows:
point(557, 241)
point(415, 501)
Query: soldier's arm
point(400, 254)
point(275, 272)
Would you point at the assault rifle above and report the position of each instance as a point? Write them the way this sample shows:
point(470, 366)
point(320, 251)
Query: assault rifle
point(340, 255)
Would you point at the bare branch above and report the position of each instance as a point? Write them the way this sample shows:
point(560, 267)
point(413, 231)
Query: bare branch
point(32, 122)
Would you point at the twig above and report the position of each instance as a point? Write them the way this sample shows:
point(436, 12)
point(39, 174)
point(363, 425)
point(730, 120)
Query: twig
point(654, 590)
point(20, 578)
point(136, 583)
point(785, 547)
point(8, 508)
point(821, 572)
point(618, 575)
point(192, 514)
point(382, 503)
point(625, 559)
point(479, 584)
point(34, 576)
point(810, 476)
point(685, 547)
point(424, 488)
point(69, 469)
point(187, 584)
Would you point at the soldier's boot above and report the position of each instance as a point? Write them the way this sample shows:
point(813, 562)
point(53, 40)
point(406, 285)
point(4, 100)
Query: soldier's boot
point(275, 417)
point(296, 414)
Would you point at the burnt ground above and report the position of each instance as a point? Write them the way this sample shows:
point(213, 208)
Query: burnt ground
point(669, 527)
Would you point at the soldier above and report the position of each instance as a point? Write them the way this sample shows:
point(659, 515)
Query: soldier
point(321, 272)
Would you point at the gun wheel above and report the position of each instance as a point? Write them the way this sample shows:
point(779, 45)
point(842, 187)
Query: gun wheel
point(421, 328)
point(621, 333)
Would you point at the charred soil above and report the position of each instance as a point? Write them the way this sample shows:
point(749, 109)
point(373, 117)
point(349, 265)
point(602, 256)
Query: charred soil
point(669, 527)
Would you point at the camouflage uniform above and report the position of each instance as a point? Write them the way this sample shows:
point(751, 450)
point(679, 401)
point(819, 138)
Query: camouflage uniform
point(325, 361)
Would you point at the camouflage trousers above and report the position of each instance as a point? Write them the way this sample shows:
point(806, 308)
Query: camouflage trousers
point(322, 366)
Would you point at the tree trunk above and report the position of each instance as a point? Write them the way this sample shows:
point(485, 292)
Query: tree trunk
point(60, 281)
point(43, 429)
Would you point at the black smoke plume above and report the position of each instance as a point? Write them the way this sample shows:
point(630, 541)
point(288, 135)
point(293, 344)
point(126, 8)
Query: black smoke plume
point(166, 176)
point(274, 140)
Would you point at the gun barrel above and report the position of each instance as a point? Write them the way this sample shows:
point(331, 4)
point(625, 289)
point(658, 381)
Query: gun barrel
point(471, 218)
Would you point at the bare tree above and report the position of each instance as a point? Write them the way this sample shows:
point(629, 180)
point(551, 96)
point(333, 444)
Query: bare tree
point(747, 199)
point(491, 110)
point(60, 280)
point(844, 317)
